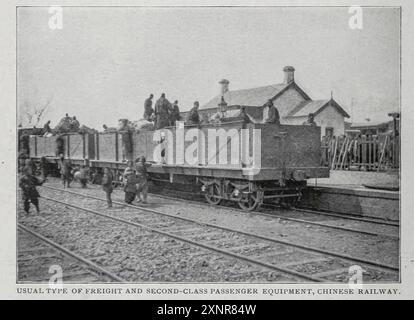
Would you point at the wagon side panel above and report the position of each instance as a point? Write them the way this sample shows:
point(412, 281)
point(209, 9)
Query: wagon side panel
point(106, 144)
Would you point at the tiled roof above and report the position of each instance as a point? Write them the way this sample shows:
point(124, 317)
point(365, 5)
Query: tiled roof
point(248, 97)
point(314, 106)
point(305, 107)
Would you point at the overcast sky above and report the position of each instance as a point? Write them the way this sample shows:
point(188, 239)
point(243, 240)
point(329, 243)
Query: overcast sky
point(104, 62)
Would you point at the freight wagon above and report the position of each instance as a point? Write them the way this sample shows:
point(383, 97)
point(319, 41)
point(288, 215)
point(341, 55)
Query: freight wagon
point(244, 163)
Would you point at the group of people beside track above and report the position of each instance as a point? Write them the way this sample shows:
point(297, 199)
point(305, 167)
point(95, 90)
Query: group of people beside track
point(135, 179)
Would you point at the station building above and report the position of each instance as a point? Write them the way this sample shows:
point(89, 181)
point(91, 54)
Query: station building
point(293, 104)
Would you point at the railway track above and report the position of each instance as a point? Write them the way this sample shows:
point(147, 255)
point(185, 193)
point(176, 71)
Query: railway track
point(191, 195)
point(384, 228)
point(348, 216)
point(38, 253)
point(312, 264)
point(267, 213)
point(145, 254)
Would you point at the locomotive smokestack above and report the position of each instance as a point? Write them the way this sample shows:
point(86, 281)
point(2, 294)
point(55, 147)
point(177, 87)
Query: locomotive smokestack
point(289, 74)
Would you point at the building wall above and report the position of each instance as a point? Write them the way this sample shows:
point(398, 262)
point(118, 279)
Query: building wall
point(293, 120)
point(330, 117)
point(287, 101)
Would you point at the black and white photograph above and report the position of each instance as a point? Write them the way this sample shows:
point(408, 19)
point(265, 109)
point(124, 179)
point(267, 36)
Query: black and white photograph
point(255, 146)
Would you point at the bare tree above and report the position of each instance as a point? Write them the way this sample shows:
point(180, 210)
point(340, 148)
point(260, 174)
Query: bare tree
point(32, 115)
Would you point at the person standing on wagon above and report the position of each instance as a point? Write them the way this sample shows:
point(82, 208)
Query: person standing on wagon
point(148, 108)
point(174, 113)
point(193, 116)
point(142, 177)
point(270, 113)
point(162, 107)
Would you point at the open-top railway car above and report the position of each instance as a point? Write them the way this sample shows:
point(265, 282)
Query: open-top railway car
point(244, 163)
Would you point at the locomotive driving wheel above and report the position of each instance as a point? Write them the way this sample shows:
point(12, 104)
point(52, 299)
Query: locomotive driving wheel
point(249, 201)
point(213, 194)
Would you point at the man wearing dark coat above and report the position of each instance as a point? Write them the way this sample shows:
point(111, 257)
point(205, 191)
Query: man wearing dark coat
point(74, 124)
point(174, 113)
point(193, 116)
point(162, 107)
point(272, 113)
point(28, 184)
point(107, 185)
point(130, 187)
point(65, 172)
point(148, 110)
point(46, 128)
point(142, 175)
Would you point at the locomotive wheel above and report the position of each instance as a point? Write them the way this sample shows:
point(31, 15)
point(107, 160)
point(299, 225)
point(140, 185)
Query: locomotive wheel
point(252, 202)
point(212, 194)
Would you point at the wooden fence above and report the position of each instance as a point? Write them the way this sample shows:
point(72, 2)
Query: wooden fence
point(371, 152)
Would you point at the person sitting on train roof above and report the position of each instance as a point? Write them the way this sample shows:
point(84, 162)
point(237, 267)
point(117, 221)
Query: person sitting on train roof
point(193, 116)
point(46, 129)
point(243, 115)
point(108, 129)
point(174, 113)
point(270, 113)
point(74, 124)
point(148, 110)
point(162, 107)
point(310, 121)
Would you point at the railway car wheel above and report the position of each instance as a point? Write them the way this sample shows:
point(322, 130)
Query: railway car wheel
point(250, 202)
point(213, 194)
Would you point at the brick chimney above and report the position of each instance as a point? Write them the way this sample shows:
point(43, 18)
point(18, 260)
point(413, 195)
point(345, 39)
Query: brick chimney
point(289, 74)
point(224, 86)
